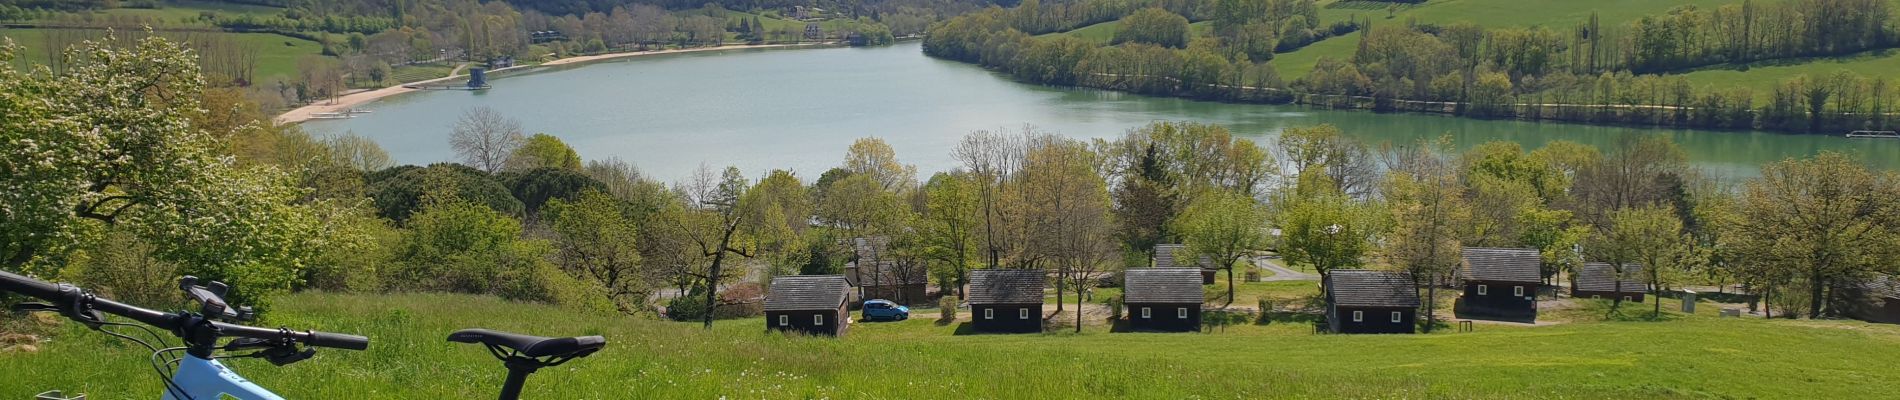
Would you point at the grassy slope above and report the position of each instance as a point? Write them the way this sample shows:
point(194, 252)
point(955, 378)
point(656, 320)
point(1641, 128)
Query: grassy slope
point(1762, 77)
point(1104, 32)
point(1697, 356)
point(277, 54)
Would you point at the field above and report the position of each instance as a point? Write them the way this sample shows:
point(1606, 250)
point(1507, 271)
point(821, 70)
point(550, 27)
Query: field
point(1696, 356)
point(1762, 77)
point(185, 13)
point(277, 54)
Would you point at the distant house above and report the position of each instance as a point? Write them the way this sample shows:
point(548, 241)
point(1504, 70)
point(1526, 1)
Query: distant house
point(1163, 299)
point(877, 274)
point(1876, 300)
point(1366, 301)
point(905, 283)
point(1006, 300)
point(1500, 284)
point(1600, 281)
point(812, 31)
point(1165, 258)
point(811, 304)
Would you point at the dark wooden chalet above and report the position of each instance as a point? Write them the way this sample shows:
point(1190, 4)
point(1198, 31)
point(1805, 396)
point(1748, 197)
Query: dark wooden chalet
point(1877, 300)
point(811, 304)
point(1600, 281)
point(1500, 284)
point(1367, 301)
point(1163, 299)
point(877, 274)
point(1006, 300)
point(900, 282)
point(1164, 258)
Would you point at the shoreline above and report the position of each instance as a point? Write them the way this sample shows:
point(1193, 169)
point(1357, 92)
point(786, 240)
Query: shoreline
point(351, 100)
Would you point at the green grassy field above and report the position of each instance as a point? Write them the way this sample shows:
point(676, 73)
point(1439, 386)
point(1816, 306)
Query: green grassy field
point(1689, 357)
point(277, 54)
point(1762, 77)
point(177, 13)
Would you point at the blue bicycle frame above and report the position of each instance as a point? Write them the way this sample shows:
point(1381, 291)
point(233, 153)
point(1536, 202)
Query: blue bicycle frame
point(202, 379)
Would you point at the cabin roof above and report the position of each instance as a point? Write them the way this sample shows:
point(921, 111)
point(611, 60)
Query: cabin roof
point(1163, 285)
point(1164, 257)
point(1502, 265)
point(1884, 286)
point(807, 292)
point(1598, 277)
point(1006, 286)
point(1369, 288)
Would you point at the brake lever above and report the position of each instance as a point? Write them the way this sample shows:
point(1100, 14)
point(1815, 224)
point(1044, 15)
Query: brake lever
point(287, 354)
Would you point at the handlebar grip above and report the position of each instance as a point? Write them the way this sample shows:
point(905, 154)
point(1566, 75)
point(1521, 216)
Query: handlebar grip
point(338, 341)
point(11, 282)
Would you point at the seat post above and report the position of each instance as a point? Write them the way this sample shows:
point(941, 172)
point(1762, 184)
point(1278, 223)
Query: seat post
point(518, 370)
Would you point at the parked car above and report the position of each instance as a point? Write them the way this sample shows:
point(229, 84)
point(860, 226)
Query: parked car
point(885, 310)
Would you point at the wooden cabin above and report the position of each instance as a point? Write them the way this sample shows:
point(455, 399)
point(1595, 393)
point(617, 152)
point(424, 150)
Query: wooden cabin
point(1500, 284)
point(1600, 281)
point(1163, 299)
point(1006, 300)
point(903, 283)
point(1367, 301)
point(1165, 258)
point(878, 274)
point(810, 304)
point(1876, 300)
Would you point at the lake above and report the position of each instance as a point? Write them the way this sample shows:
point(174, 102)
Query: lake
point(799, 109)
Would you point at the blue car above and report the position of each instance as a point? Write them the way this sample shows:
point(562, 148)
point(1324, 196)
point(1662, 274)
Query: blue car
point(885, 310)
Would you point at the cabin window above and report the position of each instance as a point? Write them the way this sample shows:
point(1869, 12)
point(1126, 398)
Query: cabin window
point(1144, 313)
point(1358, 316)
point(1397, 316)
point(1180, 313)
point(1596, 296)
point(1626, 298)
point(1482, 291)
point(1022, 313)
point(818, 320)
point(1517, 291)
point(989, 313)
point(784, 320)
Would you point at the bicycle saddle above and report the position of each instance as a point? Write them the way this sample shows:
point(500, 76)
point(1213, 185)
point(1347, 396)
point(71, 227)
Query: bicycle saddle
point(532, 346)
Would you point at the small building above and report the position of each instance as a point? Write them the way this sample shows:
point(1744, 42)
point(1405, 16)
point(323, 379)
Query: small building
point(812, 31)
point(902, 282)
point(878, 274)
point(810, 304)
point(1165, 258)
point(1006, 300)
point(1601, 281)
point(1500, 284)
point(1367, 301)
point(1163, 299)
point(1876, 300)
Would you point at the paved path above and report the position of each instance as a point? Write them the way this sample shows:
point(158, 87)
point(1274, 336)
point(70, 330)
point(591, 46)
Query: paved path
point(1282, 273)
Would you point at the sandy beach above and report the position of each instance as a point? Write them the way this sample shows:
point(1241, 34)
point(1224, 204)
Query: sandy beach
point(352, 100)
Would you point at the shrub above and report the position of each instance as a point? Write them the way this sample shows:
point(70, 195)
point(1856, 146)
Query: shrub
point(742, 300)
point(468, 248)
point(1115, 307)
point(689, 307)
point(947, 308)
point(121, 267)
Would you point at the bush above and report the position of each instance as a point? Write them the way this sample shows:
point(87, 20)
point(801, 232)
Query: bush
point(568, 291)
point(947, 308)
point(467, 248)
point(1115, 307)
point(122, 268)
point(742, 300)
point(691, 307)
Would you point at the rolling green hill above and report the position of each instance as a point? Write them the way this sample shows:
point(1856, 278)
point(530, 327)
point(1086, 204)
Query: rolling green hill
point(1689, 357)
point(277, 54)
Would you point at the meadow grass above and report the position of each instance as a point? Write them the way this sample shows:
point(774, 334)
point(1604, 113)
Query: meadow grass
point(1762, 77)
point(277, 55)
point(1685, 357)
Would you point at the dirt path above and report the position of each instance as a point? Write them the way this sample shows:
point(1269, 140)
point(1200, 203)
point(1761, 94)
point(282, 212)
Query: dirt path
point(1281, 273)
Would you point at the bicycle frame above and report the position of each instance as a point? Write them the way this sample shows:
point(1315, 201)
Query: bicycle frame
point(203, 379)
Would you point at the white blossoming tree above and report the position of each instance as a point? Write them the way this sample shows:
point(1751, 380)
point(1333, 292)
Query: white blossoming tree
point(109, 144)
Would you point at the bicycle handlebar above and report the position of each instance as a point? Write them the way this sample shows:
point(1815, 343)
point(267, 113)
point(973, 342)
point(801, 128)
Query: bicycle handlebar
point(10, 282)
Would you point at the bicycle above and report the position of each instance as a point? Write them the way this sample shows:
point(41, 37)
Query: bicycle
point(199, 374)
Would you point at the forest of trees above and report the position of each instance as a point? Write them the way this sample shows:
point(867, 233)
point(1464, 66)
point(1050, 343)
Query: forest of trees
point(1593, 73)
point(182, 179)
